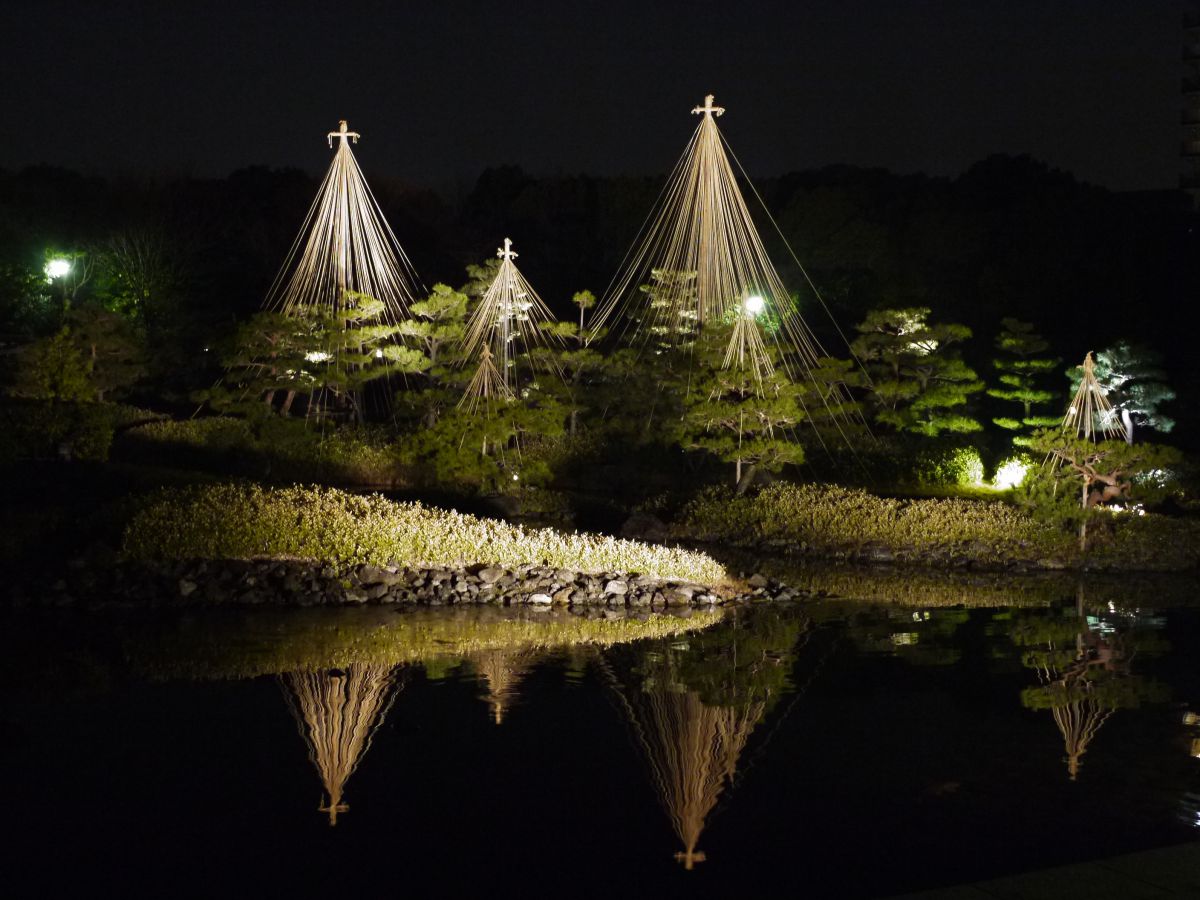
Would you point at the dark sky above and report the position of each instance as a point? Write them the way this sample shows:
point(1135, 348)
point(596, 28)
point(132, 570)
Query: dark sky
point(442, 89)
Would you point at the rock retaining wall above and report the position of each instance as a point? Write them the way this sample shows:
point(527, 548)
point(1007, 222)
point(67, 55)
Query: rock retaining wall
point(299, 583)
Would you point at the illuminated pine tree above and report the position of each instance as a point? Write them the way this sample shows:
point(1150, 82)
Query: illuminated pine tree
point(1022, 369)
point(918, 385)
point(1135, 386)
point(739, 414)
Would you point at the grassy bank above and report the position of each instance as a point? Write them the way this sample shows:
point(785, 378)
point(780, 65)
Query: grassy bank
point(239, 521)
point(846, 523)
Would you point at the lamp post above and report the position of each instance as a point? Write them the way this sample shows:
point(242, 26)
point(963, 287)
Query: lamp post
point(57, 269)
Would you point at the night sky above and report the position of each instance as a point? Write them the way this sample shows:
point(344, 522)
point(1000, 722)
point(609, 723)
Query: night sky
point(442, 90)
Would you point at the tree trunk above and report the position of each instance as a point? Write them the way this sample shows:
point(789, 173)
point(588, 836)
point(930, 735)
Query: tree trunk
point(746, 480)
point(1083, 524)
point(286, 409)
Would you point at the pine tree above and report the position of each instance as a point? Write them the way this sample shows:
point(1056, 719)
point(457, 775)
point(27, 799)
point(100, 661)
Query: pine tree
point(740, 415)
point(1135, 385)
point(1022, 369)
point(54, 368)
point(918, 385)
point(358, 346)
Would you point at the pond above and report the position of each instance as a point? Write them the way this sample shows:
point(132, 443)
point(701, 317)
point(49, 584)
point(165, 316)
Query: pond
point(833, 748)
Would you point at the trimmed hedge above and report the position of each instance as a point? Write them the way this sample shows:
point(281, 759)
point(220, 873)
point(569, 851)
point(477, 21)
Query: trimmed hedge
point(237, 521)
point(849, 523)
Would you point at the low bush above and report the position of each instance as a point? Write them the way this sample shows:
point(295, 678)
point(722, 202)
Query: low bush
point(38, 430)
point(234, 521)
point(271, 449)
point(839, 522)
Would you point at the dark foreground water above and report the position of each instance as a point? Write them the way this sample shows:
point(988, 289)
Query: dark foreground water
point(834, 749)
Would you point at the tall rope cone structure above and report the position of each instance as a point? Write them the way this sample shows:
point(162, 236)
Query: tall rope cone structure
point(337, 712)
point(692, 750)
point(701, 242)
point(506, 324)
point(345, 245)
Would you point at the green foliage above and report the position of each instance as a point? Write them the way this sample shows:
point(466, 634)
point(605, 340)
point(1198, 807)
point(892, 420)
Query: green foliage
point(836, 522)
point(113, 347)
point(918, 385)
point(1022, 369)
point(234, 521)
point(82, 431)
point(948, 465)
point(737, 414)
point(266, 357)
point(272, 449)
point(1134, 384)
point(1096, 473)
point(437, 325)
point(54, 368)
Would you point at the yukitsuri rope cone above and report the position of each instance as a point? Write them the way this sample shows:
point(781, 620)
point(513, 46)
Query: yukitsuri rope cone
point(1090, 415)
point(504, 326)
point(337, 712)
point(345, 245)
point(702, 252)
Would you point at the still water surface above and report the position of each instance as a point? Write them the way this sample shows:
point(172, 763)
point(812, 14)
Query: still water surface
point(832, 749)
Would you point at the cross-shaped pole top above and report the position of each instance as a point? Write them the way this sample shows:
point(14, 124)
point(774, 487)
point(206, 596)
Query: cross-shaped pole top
point(708, 108)
point(690, 857)
point(507, 252)
point(343, 132)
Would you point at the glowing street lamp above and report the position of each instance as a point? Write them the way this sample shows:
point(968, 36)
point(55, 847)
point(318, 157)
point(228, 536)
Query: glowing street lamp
point(754, 305)
point(57, 268)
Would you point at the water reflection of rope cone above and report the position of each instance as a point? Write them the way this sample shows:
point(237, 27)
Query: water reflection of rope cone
point(692, 750)
point(501, 672)
point(337, 712)
point(1078, 711)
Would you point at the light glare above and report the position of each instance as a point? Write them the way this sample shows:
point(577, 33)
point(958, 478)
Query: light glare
point(57, 268)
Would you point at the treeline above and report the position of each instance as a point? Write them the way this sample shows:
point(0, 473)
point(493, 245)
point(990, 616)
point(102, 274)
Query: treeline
point(185, 261)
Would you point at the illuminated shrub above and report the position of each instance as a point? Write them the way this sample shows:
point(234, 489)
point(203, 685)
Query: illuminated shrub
point(1011, 473)
point(961, 466)
point(233, 521)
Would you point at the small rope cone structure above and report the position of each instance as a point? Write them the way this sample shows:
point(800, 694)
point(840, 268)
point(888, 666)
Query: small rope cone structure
point(1090, 415)
point(702, 249)
point(486, 389)
point(502, 672)
point(345, 244)
point(337, 712)
point(506, 323)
